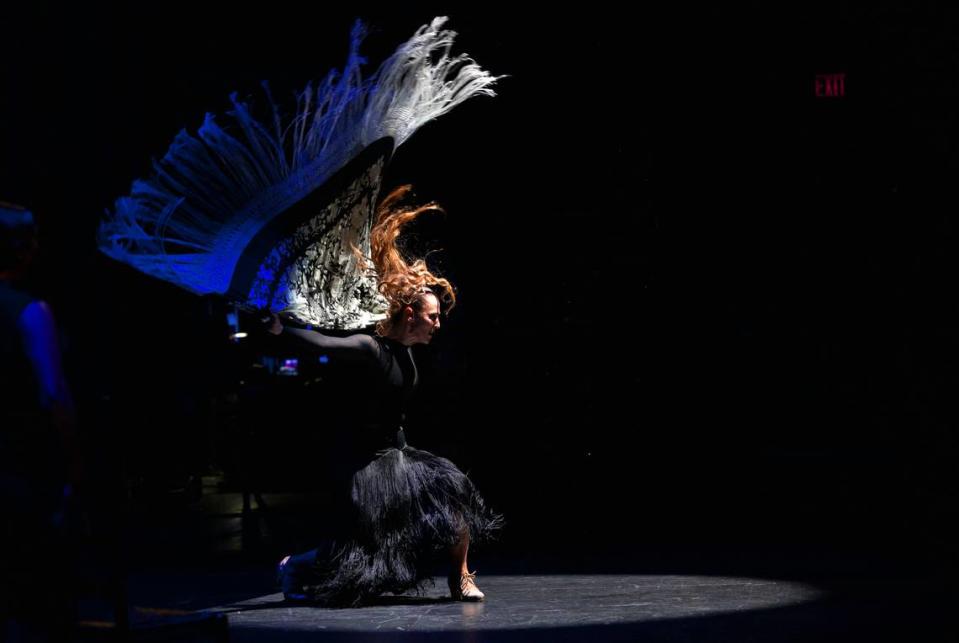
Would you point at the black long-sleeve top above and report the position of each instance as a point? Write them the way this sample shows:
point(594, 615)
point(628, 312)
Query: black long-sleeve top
point(392, 377)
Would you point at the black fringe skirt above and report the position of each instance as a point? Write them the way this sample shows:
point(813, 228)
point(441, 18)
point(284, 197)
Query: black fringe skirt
point(407, 504)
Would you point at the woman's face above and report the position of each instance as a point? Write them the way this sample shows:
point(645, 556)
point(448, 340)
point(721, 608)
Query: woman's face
point(425, 321)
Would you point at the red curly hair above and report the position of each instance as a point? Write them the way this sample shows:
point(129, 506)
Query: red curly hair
point(402, 283)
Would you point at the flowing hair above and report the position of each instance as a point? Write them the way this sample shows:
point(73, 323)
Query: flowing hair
point(402, 283)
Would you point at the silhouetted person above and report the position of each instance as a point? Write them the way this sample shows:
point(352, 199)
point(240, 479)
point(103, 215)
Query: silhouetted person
point(38, 455)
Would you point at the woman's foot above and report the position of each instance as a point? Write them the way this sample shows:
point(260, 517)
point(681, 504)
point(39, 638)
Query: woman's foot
point(463, 587)
point(292, 589)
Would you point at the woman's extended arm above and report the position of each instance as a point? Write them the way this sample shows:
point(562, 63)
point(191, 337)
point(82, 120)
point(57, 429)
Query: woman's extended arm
point(355, 348)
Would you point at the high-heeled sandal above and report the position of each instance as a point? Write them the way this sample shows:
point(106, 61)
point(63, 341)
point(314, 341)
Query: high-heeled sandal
point(463, 587)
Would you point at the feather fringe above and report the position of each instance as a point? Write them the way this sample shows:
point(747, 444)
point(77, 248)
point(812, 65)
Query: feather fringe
point(212, 192)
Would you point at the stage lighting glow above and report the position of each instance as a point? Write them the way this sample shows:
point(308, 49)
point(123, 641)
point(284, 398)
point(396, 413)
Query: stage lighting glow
point(290, 366)
point(581, 601)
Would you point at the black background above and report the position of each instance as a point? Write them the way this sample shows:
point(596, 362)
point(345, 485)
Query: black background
point(698, 304)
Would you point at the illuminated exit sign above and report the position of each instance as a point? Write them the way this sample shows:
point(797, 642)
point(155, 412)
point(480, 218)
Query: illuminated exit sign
point(830, 85)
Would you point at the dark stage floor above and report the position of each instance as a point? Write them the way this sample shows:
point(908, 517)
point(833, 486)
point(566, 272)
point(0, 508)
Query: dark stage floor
point(528, 607)
point(570, 607)
point(212, 562)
